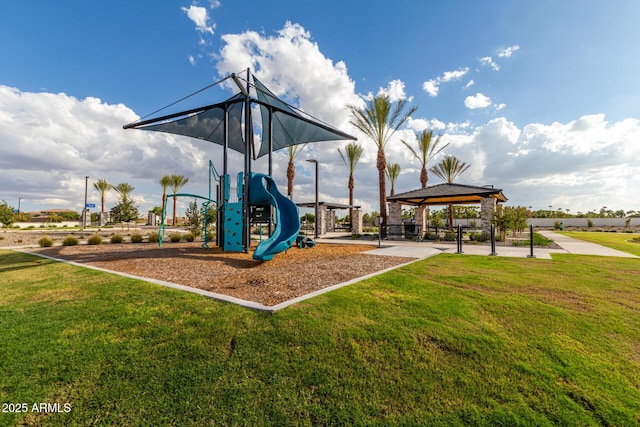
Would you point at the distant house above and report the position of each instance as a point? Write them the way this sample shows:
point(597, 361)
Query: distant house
point(54, 214)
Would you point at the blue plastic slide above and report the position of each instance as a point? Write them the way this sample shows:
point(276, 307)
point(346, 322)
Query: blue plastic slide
point(262, 191)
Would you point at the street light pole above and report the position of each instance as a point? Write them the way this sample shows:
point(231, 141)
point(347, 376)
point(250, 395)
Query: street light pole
point(84, 210)
point(315, 228)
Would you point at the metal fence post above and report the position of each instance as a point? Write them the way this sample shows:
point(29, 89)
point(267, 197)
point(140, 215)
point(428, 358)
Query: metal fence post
point(459, 239)
point(493, 241)
point(531, 255)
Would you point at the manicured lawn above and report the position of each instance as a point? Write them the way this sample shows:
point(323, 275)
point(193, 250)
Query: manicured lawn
point(451, 340)
point(619, 241)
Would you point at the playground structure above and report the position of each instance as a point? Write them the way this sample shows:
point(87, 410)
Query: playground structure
point(230, 124)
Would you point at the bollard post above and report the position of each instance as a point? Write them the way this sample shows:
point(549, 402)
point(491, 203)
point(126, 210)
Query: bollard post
point(493, 241)
point(459, 239)
point(531, 255)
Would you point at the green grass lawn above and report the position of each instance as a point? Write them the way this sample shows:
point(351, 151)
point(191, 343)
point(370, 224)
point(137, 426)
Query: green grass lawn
point(451, 340)
point(619, 241)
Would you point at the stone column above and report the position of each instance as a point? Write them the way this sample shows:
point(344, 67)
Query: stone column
point(357, 221)
point(395, 219)
point(487, 208)
point(331, 220)
point(322, 220)
point(421, 218)
point(103, 218)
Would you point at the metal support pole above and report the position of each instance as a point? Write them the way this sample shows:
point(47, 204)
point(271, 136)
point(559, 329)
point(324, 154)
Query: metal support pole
point(84, 210)
point(493, 241)
point(531, 255)
point(459, 239)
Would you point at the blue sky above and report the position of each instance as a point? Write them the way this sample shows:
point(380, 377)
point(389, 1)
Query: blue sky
point(541, 98)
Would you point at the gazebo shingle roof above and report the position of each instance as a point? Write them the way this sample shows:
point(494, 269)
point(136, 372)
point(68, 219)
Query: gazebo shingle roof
point(442, 194)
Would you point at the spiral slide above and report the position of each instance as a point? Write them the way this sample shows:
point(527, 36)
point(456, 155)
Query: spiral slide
point(262, 191)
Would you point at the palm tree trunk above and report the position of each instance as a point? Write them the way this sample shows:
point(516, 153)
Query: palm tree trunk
point(424, 177)
point(174, 210)
point(351, 187)
point(381, 164)
point(102, 207)
point(291, 173)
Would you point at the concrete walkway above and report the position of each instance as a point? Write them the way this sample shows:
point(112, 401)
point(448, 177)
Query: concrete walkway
point(421, 250)
point(580, 247)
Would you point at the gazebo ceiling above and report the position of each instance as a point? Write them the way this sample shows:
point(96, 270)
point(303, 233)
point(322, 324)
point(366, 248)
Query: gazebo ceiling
point(444, 194)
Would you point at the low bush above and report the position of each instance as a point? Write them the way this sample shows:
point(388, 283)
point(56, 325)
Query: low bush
point(45, 242)
point(116, 238)
point(430, 236)
point(70, 241)
point(211, 237)
point(175, 237)
point(95, 239)
point(136, 238)
point(479, 237)
point(189, 237)
point(450, 236)
point(153, 238)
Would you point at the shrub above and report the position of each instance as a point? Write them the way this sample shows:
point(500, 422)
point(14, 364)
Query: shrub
point(116, 238)
point(450, 236)
point(636, 240)
point(430, 236)
point(45, 242)
point(211, 237)
point(189, 237)
point(557, 225)
point(136, 238)
point(95, 239)
point(589, 223)
point(69, 241)
point(479, 237)
point(153, 238)
point(175, 237)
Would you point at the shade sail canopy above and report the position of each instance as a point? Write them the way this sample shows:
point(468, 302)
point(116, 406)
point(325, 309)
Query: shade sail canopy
point(328, 205)
point(286, 125)
point(444, 194)
point(205, 123)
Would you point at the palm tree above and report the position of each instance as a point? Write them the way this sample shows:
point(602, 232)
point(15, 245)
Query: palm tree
point(449, 169)
point(393, 171)
point(165, 182)
point(124, 189)
point(351, 157)
point(293, 151)
point(177, 182)
point(102, 186)
point(379, 120)
point(427, 150)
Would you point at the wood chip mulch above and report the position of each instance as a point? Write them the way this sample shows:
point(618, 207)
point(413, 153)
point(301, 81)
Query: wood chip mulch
point(290, 274)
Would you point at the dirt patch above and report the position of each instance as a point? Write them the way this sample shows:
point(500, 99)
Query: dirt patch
point(290, 274)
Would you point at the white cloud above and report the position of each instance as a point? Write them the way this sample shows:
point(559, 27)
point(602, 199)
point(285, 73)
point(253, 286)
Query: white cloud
point(488, 61)
point(50, 142)
point(192, 60)
point(200, 16)
point(477, 101)
point(508, 51)
point(292, 66)
point(395, 91)
point(433, 86)
point(500, 106)
point(469, 84)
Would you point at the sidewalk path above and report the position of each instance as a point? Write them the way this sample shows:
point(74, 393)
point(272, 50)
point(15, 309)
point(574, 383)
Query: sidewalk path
point(580, 247)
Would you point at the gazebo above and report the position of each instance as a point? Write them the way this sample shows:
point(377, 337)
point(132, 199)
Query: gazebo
point(327, 215)
point(447, 194)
